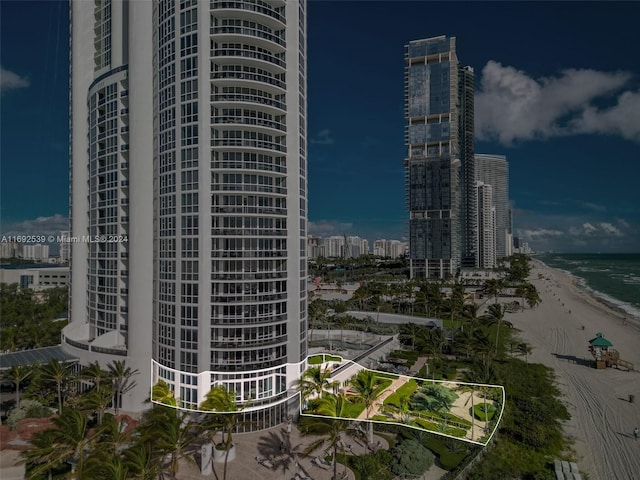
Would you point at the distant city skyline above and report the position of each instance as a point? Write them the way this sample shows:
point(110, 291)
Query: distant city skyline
point(574, 154)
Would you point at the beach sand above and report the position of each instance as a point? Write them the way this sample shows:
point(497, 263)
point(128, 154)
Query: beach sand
point(602, 417)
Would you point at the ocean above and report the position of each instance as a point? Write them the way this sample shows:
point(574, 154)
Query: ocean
point(613, 277)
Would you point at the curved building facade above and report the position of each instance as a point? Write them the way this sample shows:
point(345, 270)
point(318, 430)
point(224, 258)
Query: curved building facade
point(201, 167)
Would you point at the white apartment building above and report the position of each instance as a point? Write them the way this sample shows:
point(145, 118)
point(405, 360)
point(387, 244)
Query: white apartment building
point(35, 252)
point(494, 170)
point(189, 150)
point(486, 226)
point(389, 248)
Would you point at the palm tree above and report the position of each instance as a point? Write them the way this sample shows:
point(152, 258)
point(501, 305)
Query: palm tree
point(223, 402)
point(107, 462)
point(342, 321)
point(532, 297)
point(314, 382)
point(331, 430)
point(17, 374)
point(470, 312)
point(481, 373)
point(493, 287)
point(103, 466)
point(170, 434)
point(121, 376)
point(365, 387)
point(57, 372)
point(471, 389)
point(432, 341)
point(161, 392)
point(94, 374)
point(525, 350)
point(495, 316)
point(410, 331)
point(70, 440)
point(97, 400)
point(436, 398)
point(141, 461)
point(454, 307)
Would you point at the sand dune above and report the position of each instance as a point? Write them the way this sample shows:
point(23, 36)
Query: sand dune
point(602, 417)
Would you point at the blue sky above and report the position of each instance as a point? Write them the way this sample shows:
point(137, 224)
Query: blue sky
point(557, 91)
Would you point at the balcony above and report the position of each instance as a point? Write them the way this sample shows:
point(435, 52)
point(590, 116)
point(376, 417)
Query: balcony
point(260, 122)
point(250, 32)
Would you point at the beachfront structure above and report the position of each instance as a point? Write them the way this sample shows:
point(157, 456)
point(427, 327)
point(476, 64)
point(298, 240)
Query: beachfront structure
point(188, 158)
point(439, 167)
point(494, 170)
point(486, 226)
point(605, 355)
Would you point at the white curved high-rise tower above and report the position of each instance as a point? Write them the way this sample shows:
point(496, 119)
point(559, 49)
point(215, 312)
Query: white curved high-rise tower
point(188, 139)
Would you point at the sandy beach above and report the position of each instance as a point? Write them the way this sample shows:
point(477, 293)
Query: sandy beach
point(603, 418)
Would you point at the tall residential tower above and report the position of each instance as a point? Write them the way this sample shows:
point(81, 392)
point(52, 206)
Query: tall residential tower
point(188, 164)
point(439, 163)
point(494, 170)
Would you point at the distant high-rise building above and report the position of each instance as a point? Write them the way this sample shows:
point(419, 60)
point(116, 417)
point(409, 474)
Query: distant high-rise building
point(65, 247)
point(389, 248)
point(439, 163)
point(314, 245)
point(494, 170)
point(10, 250)
point(486, 216)
point(35, 252)
point(334, 246)
point(188, 156)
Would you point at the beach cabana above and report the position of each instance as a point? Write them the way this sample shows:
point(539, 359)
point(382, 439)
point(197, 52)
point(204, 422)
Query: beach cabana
point(599, 348)
point(605, 355)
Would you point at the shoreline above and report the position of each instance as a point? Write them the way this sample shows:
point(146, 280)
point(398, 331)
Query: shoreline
point(622, 308)
point(559, 329)
point(595, 297)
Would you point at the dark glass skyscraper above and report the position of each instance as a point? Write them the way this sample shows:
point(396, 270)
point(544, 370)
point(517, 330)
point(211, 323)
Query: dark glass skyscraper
point(439, 163)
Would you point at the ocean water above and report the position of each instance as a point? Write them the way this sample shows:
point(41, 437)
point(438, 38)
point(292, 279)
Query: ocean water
point(614, 277)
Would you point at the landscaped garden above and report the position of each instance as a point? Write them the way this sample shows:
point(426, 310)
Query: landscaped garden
point(465, 411)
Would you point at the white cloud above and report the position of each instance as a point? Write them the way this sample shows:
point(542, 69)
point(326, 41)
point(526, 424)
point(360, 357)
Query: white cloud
point(539, 232)
point(594, 206)
point(622, 222)
point(610, 229)
point(512, 106)
point(622, 119)
point(11, 81)
point(588, 228)
point(39, 226)
point(323, 137)
point(590, 232)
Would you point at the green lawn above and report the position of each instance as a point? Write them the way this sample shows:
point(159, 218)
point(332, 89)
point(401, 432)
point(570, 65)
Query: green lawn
point(315, 360)
point(318, 359)
point(407, 389)
point(352, 410)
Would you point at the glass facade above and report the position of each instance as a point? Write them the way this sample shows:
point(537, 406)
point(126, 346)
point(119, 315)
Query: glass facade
point(439, 138)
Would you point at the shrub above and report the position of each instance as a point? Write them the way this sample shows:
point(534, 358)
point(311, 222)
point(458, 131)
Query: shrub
point(410, 457)
point(28, 409)
point(482, 415)
point(372, 466)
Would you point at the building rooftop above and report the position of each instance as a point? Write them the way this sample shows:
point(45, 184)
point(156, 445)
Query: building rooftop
point(600, 341)
point(36, 355)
